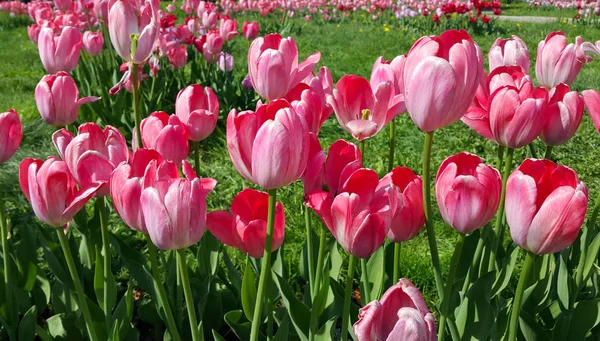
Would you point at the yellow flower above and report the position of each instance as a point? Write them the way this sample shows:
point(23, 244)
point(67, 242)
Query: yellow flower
point(338, 25)
point(384, 25)
point(361, 30)
point(564, 21)
point(414, 38)
point(386, 29)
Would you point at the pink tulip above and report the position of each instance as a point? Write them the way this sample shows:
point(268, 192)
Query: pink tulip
point(198, 110)
point(245, 228)
point(11, 134)
point(562, 116)
point(361, 111)
point(62, 5)
point(545, 206)
point(591, 98)
point(52, 191)
point(441, 75)
point(250, 30)
point(228, 29)
point(558, 62)
point(391, 71)
point(59, 53)
point(128, 181)
point(509, 52)
point(268, 147)
point(467, 191)
point(309, 101)
point(126, 21)
point(93, 154)
point(93, 42)
point(359, 214)
point(175, 209)
point(410, 216)
point(33, 31)
point(401, 314)
point(225, 62)
point(101, 9)
point(210, 20)
point(178, 57)
point(166, 134)
point(273, 65)
point(212, 48)
point(57, 99)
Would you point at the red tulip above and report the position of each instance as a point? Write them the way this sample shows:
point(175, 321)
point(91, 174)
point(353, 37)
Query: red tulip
point(59, 53)
point(166, 134)
point(545, 206)
point(509, 52)
point(245, 227)
point(250, 30)
point(401, 314)
point(558, 62)
point(562, 116)
point(198, 110)
point(52, 191)
point(467, 191)
point(11, 134)
point(93, 42)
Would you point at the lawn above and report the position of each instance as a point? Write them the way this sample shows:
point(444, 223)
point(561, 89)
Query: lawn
point(346, 47)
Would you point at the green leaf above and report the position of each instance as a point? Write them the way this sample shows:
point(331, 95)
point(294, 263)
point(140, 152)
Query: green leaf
point(505, 274)
point(531, 330)
point(586, 315)
point(283, 330)
point(208, 254)
point(26, 259)
point(99, 283)
point(240, 329)
point(232, 273)
point(136, 263)
point(298, 311)
point(217, 336)
point(326, 333)
point(26, 328)
point(321, 300)
point(122, 314)
point(336, 260)
point(249, 291)
point(591, 257)
point(98, 320)
point(63, 299)
point(563, 285)
point(43, 334)
point(376, 273)
point(475, 316)
point(50, 250)
point(62, 327)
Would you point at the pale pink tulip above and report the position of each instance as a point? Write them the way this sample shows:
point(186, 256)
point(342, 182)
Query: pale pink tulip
point(93, 42)
point(62, 5)
point(126, 22)
point(198, 110)
point(166, 134)
point(309, 101)
point(591, 98)
point(210, 20)
point(228, 29)
point(225, 62)
point(390, 71)
point(11, 134)
point(509, 52)
point(557, 62)
point(562, 116)
point(59, 52)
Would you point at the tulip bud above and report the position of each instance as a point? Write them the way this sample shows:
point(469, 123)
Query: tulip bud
point(557, 62)
point(59, 53)
point(133, 31)
point(225, 62)
point(93, 42)
point(178, 57)
point(11, 134)
point(250, 30)
point(198, 110)
point(228, 29)
point(509, 52)
point(166, 134)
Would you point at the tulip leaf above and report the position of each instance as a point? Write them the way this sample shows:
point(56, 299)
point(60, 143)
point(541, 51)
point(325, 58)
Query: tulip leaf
point(240, 329)
point(531, 330)
point(586, 315)
point(27, 260)
point(51, 250)
point(100, 282)
point(326, 332)
point(505, 274)
point(136, 263)
point(376, 272)
point(298, 311)
point(123, 313)
point(562, 286)
point(208, 254)
point(336, 260)
point(475, 316)
point(591, 257)
point(217, 336)
point(26, 328)
point(283, 329)
point(249, 290)
point(233, 276)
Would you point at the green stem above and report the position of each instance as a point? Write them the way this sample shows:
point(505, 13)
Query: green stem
point(516, 307)
point(269, 308)
point(498, 230)
point(309, 251)
point(197, 157)
point(445, 308)
point(5, 257)
point(548, 154)
point(160, 290)
point(594, 217)
point(89, 323)
point(472, 268)
point(532, 150)
point(361, 148)
point(265, 270)
point(435, 258)
point(365, 280)
point(187, 291)
point(392, 146)
point(318, 275)
point(348, 297)
point(136, 102)
point(500, 159)
point(397, 248)
point(101, 207)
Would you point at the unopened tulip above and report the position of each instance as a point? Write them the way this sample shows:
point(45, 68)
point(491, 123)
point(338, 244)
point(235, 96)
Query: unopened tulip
point(178, 57)
point(509, 52)
point(390, 71)
point(409, 217)
point(441, 75)
point(166, 134)
point(62, 5)
point(401, 314)
point(59, 53)
point(591, 98)
point(101, 9)
point(557, 62)
point(93, 154)
point(129, 180)
point(209, 20)
point(273, 65)
point(467, 191)
point(198, 110)
point(309, 100)
point(268, 147)
point(93, 42)
point(562, 115)
point(225, 62)
point(175, 209)
point(545, 206)
point(212, 47)
point(11, 134)
point(57, 99)
point(52, 190)
point(245, 228)
point(250, 30)
point(228, 29)
point(33, 31)
point(133, 31)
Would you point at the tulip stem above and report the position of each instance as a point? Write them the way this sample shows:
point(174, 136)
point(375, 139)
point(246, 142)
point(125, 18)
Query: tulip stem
point(5, 258)
point(445, 307)
point(160, 290)
point(361, 147)
point(101, 207)
point(498, 229)
point(548, 154)
point(89, 323)
point(532, 150)
point(500, 159)
point(365, 280)
point(472, 270)
point(313, 312)
point(136, 102)
point(348, 297)
point(197, 157)
point(516, 307)
point(265, 271)
point(187, 291)
point(435, 258)
point(397, 249)
point(392, 147)
point(309, 251)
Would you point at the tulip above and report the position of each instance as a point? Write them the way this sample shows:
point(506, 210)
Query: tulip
point(225, 62)
point(228, 29)
point(101, 9)
point(467, 191)
point(133, 31)
point(245, 227)
point(562, 116)
point(309, 101)
point(273, 65)
point(250, 30)
point(591, 98)
point(401, 314)
point(268, 147)
point(178, 57)
point(558, 62)
point(198, 110)
point(509, 52)
point(212, 47)
point(391, 71)
point(33, 31)
point(93, 154)
point(52, 190)
point(209, 20)
point(62, 5)
point(11, 134)
point(59, 53)
point(166, 134)
point(410, 216)
point(57, 99)
point(545, 206)
point(93, 42)
point(441, 75)
point(175, 209)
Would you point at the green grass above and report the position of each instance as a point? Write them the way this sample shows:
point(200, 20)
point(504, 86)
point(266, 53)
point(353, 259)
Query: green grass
point(523, 9)
point(346, 48)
